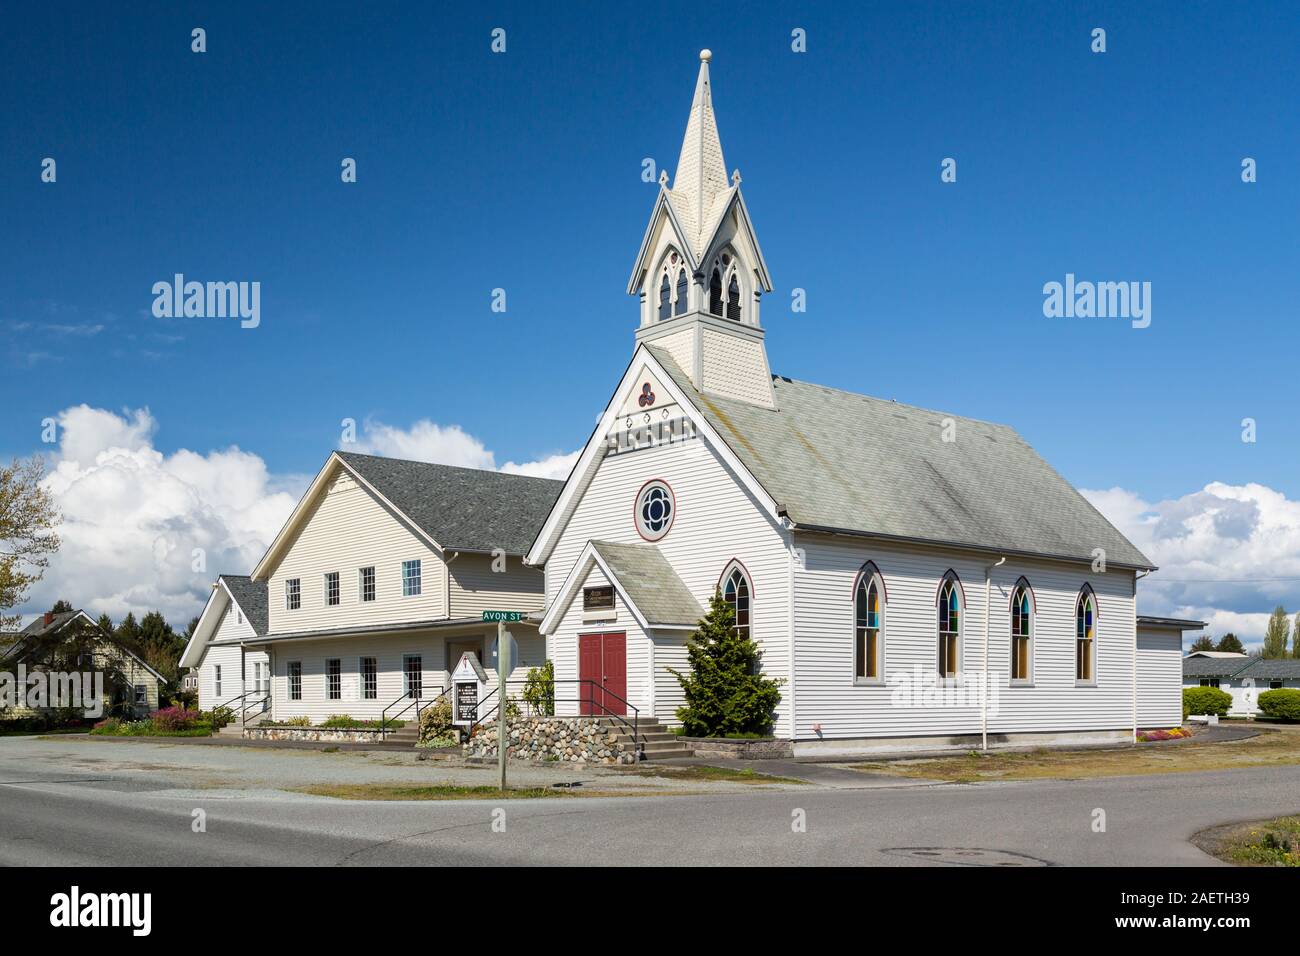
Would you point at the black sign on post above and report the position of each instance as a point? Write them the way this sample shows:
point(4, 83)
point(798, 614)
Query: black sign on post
point(466, 701)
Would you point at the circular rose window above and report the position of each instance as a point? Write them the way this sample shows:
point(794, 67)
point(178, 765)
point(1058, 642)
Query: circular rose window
point(655, 510)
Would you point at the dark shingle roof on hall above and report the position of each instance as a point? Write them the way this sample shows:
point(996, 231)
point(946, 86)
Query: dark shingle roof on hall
point(250, 595)
point(463, 509)
point(839, 461)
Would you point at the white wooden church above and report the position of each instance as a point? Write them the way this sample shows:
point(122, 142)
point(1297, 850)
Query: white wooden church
point(915, 578)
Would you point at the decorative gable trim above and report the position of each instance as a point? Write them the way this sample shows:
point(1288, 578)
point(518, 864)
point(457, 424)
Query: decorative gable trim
point(642, 265)
point(592, 454)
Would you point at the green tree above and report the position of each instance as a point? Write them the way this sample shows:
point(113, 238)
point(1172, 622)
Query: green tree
point(1203, 643)
point(725, 693)
point(159, 645)
point(62, 607)
point(28, 518)
point(1295, 636)
point(106, 624)
point(1277, 634)
point(1230, 643)
point(128, 633)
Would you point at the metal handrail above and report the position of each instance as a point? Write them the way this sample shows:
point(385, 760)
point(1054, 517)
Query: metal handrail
point(634, 726)
point(413, 702)
point(265, 700)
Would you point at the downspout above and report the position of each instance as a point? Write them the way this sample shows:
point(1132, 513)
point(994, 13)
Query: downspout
point(1136, 578)
point(984, 695)
point(789, 530)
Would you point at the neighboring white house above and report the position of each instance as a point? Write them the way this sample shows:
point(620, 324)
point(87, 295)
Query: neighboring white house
point(1245, 678)
point(373, 590)
point(884, 557)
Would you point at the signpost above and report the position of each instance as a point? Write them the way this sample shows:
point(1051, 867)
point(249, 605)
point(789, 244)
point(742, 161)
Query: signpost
point(503, 672)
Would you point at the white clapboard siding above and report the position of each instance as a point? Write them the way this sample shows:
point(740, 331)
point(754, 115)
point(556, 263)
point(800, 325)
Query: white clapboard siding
point(390, 652)
point(828, 696)
point(232, 627)
point(1160, 677)
point(717, 520)
point(477, 587)
point(347, 530)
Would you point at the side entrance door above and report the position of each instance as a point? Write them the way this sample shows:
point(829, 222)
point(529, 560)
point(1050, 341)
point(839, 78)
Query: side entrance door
point(602, 667)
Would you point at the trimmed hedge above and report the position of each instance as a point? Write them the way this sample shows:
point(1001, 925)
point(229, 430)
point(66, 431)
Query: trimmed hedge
point(1206, 700)
point(1281, 704)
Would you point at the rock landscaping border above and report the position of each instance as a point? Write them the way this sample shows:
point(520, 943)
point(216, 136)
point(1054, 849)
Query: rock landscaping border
point(555, 739)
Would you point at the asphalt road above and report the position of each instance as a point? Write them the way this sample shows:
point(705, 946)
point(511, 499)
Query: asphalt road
point(80, 817)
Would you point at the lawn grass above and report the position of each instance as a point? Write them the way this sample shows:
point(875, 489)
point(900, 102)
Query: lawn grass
point(1268, 749)
point(384, 791)
point(726, 774)
point(1266, 843)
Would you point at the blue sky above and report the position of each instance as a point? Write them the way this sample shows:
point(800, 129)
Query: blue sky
point(522, 171)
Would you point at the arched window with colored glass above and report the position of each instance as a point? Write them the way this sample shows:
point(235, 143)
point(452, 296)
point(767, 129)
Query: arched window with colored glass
point(950, 614)
point(868, 631)
point(737, 592)
point(1022, 613)
point(1085, 636)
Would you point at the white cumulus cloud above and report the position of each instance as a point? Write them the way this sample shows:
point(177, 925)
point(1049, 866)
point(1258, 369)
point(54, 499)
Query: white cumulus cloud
point(452, 445)
point(142, 530)
point(1228, 554)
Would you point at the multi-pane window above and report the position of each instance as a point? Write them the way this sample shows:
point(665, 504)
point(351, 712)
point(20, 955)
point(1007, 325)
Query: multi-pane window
point(411, 578)
point(333, 679)
point(332, 588)
point(367, 584)
point(1020, 631)
point(950, 611)
point(1209, 682)
point(292, 594)
point(369, 678)
point(736, 592)
point(1085, 633)
point(295, 680)
point(216, 681)
point(866, 651)
point(413, 675)
point(141, 695)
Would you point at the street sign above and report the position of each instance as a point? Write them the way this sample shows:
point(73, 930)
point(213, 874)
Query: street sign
point(502, 617)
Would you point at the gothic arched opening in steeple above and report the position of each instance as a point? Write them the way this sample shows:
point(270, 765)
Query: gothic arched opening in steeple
point(679, 306)
point(665, 306)
point(733, 299)
point(715, 292)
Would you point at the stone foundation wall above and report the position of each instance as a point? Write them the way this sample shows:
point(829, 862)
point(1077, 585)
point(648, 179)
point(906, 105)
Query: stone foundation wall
point(342, 735)
point(765, 749)
point(570, 739)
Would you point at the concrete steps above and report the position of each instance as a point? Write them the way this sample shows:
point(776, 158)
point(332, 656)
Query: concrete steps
point(657, 741)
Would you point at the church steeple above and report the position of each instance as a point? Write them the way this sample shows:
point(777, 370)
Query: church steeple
point(701, 173)
point(700, 274)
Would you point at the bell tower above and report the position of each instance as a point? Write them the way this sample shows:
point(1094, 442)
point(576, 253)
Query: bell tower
point(700, 275)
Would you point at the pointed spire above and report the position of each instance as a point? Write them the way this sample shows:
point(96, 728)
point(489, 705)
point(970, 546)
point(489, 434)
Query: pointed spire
point(701, 172)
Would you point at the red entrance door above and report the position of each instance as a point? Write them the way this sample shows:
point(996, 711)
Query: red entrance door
point(602, 667)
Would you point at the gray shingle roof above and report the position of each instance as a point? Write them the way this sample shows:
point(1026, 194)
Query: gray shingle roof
point(1214, 666)
point(462, 508)
point(650, 582)
point(39, 627)
point(250, 595)
point(1273, 669)
point(840, 461)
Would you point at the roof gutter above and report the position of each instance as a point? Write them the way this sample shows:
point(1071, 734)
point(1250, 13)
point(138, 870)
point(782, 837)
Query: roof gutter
point(960, 546)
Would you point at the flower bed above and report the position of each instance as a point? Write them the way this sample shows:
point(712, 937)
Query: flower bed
point(1176, 733)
